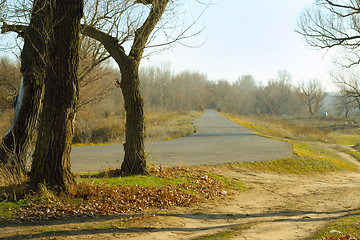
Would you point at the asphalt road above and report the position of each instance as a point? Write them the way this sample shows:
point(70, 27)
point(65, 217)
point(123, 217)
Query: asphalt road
point(217, 140)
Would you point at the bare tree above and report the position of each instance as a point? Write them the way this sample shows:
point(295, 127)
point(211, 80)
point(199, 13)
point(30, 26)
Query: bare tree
point(96, 85)
point(143, 21)
point(333, 23)
point(272, 98)
point(344, 105)
point(313, 95)
point(134, 159)
point(9, 83)
point(188, 91)
point(246, 86)
point(349, 85)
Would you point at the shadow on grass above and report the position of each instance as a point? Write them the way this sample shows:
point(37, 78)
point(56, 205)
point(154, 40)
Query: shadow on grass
point(111, 173)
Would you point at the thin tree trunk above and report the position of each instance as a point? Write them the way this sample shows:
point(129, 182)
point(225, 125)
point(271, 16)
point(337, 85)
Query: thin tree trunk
point(134, 159)
point(17, 141)
point(51, 163)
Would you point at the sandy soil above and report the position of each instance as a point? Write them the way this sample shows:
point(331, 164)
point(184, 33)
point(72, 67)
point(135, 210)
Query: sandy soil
point(275, 206)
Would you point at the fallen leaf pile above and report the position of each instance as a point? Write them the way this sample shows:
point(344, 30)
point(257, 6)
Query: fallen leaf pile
point(94, 200)
point(200, 182)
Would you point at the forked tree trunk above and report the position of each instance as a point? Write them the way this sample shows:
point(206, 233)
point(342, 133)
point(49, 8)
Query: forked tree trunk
point(134, 159)
point(51, 164)
point(15, 144)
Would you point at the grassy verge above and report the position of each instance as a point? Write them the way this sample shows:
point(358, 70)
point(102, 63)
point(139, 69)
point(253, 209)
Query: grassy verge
point(107, 193)
point(281, 128)
point(345, 228)
point(355, 154)
point(311, 156)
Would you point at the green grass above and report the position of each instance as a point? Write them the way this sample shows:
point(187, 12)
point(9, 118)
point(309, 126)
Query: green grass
point(347, 225)
point(311, 159)
point(239, 186)
point(329, 159)
point(218, 236)
point(177, 178)
point(6, 206)
point(352, 153)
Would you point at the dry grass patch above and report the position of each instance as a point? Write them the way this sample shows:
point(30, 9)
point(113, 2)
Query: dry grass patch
point(5, 121)
point(13, 182)
point(304, 138)
point(162, 126)
point(281, 127)
point(159, 126)
point(329, 130)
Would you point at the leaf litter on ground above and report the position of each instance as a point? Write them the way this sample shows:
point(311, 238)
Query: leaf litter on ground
point(91, 200)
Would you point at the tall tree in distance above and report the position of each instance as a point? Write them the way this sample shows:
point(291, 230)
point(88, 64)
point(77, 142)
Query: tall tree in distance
point(51, 164)
point(313, 95)
point(272, 98)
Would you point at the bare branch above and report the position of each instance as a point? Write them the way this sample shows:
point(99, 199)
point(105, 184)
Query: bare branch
point(331, 24)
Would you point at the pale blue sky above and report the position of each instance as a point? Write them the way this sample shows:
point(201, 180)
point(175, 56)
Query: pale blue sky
point(250, 37)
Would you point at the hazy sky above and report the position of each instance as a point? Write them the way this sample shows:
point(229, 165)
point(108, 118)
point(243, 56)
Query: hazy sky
point(250, 37)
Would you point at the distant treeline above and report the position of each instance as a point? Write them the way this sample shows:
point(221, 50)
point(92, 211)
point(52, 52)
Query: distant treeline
point(194, 91)
point(162, 89)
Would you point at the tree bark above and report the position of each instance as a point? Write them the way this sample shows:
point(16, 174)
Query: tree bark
point(51, 163)
point(17, 141)
point(134, 158)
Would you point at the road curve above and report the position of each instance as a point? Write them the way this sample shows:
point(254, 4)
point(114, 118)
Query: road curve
point(217, 140)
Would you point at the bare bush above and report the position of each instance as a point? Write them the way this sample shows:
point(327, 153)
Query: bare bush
point(9, 83)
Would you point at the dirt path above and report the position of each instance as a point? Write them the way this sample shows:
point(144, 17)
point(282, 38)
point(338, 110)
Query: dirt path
point(275, 206)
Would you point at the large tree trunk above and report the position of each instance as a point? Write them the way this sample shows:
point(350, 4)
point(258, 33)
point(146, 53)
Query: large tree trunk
point(134, 159)
point(17, 141)
point(51, 163)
